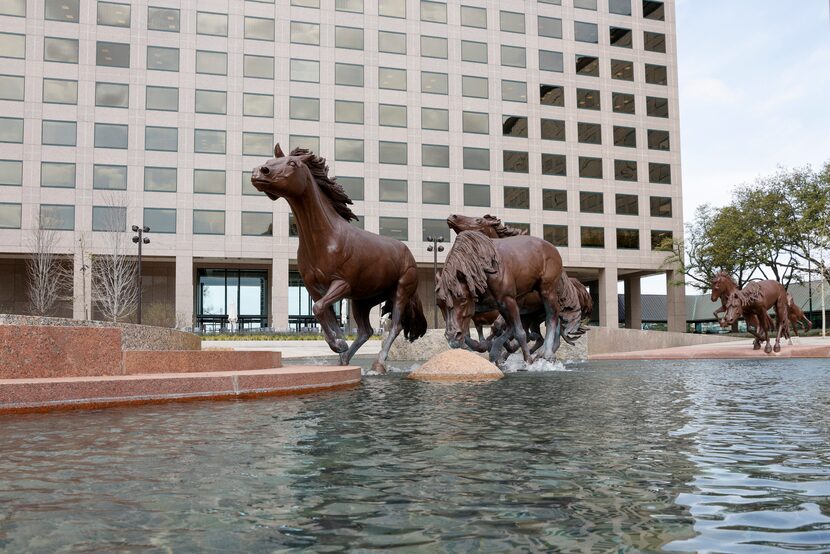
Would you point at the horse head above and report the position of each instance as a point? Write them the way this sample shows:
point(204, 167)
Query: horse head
point(721, 283)
point(458, 307)
point(283, 175)
point(486, 224)
point(734, 309)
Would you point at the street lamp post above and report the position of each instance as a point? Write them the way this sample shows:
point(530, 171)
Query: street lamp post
point(140, 240)
point(435, 248)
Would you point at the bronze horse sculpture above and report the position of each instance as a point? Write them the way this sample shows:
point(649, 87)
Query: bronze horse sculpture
point(481, 274)
point(339, 261)
point(752, 302)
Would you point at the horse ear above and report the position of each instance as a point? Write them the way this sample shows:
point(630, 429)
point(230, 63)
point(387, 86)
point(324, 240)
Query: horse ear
point(278, 151)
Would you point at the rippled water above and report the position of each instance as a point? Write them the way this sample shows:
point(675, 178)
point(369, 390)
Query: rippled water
point(675, 456)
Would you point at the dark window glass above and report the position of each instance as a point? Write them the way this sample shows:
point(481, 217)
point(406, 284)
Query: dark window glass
point(619, 7)
point(550, 60)
point(554, 164)
point(659, 173)
point(515, 162)
point(435, 192)
point(654, 10)
point(517, 225)
point(654, 42)
point(477, 195)
point(586, 32)
point(589, 133)
point(11, 173)
point(656, 74)
point(557, 235)
point(592, 237)
point(259, 224)
point(209, 181)
point(661, 240)
point(513, 91)
point(208, 222)
point(517, 198)
point(586, 4)
point(61, 175)
point(160, 220)
point(590, 168)
point(553, 129)
point(161, 179)
point(392, 153)
point(622, 70)
point(435, 155)
point(110, 135)
point(625, 136)
point(550, 27)
point(625, 170)
point(587, 99)
point(431, 118)
point(61, 10)
point(347, 150)
point(513, 56)
point(10, 215)
point(163, 19)
point(436, 228)
point(394, 227)
point(514, 126)
point(657, 107)
point(107, 218)
point(660, 206)
point(552, 95)
point(112, 54)
point(477, 158)
point(590, 202)
point(475, 122)
point(58, 217)
point(628, 239)
point(353, 186)
point(658, 140)
point(587, 65)
point(109, 177)
point(393, 190)
point(622, 102)
point(621, 37)
point(473, 17)
point(555, 200)
point(627, 204)
point(112, 95)
point(433, 11)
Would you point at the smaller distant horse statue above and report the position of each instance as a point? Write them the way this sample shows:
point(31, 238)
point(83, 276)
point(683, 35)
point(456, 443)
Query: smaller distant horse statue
point(337, 260)
point(752, 302)
point(797, 316)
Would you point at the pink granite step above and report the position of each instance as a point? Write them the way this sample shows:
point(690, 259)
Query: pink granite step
point(21, 395)
point(193, 361)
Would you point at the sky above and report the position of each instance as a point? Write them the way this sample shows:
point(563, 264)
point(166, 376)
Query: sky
point(754, 79)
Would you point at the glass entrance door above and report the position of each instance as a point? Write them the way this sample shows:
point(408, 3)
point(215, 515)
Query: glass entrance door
point(232, 299)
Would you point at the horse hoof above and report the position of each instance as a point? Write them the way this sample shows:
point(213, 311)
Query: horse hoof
point(379, 367)
point(340, 346)
point(768, 349)
point(343, 359)
point(777, 348)
point(756, 346)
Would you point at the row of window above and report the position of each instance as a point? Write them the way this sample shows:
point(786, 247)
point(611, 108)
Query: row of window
point(169, 19)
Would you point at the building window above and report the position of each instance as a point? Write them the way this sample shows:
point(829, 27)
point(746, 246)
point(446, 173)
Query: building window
point(660, 206)
point(258, 224)
point(517, 198)
point(477, 195)
point(512, 22)
point(433, 11)
point(473, 17)
point(435, 228)
point(13, 7)
point(114, 15)
point(476, 158)
point(215, 24)
point(302, 70)
point(654, 42)
point(435, 47)
point(57, 217)
point(434, 155)
point(628, 239)
point(586, 4)
point(590, 202)
point(621, 37)
point(474, 122)
point(587, 99)
point(627, 204)
point(551, 61)
point(619, 7)
point(592, 237)
point(62, 50)
point(392, 152)
point(258, 105)
point(661, 240)
point(61, 10)
point(259, 28)
point(208, 222)
point(392, 43)
point(513, 91)
point(589, 133)
point(658, 140)
point(247, 188)
point(622, 102)
point(659, 173)
point(60, 175)
point(553, 129)
point(59, 133)
point(394, 227)
point(473, 51)
point(555, 200)
point(262, 67)
point(163, 98)
point(348, 37)
point(654, 10)
point(587, 65)
point(391, 115)
point(393, 190)
point(11, 173)
point(550, 27)
point(111, 95)
point(346, 111)
point(392, 8)
point(514, 126)
point(434, 83)
point(303, 141)
point(513, 56)
point(391, 79)
point(657, 107)
point(109, 219)
point(474, 87)
point(552, 95)
point(60, 91)
point(625, 136)
point(160, 179)
point(622, 70)
point(11, 87)
point(353, 186)
point(11, 129)
point(304, 108)
point(590, 168)
point(625, 170)
point(160, 220)
point(436, 119)
point(163, 19)
point(435, 192)
point(109, 177)
point(211, 63)
point(257, 144)
point(656, 74)
point(348, 150)
point(515, 162)
point(208, 141)
point(586, 32)
point(209, 181)
point(162, 59)
point(165, 139)
point(10, 215)
point(13, 46)
point(300, 3)
point(554, 164)
point(557, 235)
point(305, 33)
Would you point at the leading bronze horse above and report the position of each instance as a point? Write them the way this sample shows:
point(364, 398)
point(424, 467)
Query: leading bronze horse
point(752, 302)
point(337, 260)
point(481, 274)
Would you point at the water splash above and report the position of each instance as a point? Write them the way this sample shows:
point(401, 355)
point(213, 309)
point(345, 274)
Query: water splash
point(515, 362)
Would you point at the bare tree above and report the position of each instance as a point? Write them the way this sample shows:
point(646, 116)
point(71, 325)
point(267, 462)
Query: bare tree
point(114, 273)
point(46, 271)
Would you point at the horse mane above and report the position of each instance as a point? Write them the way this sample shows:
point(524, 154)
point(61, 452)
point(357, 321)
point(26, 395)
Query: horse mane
point(329, 185)
point(503, 230)
point(723, 275)
point(472, 257)
point(752, 293)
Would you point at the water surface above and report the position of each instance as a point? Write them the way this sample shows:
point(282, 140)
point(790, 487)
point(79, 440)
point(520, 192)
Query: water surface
point(609, 457)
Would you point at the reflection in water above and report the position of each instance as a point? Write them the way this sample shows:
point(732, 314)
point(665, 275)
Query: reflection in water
point(682, 456)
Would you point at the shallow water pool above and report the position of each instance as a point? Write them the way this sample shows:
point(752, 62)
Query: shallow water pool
point(729, 456)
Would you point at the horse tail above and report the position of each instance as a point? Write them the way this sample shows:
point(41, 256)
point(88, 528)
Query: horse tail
point(413, 320)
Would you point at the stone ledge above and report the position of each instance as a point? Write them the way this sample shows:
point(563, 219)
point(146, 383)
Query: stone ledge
point(188, 361)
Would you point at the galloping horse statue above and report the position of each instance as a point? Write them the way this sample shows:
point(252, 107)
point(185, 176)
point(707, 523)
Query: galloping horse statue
point(752, 302)
point(337, 260)
point(481, 274)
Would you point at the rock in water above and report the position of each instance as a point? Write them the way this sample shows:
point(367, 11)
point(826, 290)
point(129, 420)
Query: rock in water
point(457, 365)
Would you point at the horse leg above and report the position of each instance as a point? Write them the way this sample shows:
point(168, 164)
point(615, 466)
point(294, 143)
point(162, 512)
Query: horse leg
point(324, 312)
point(514, 319)
point(407, 285)
point(360, 312)
point(782, 317)
point(501, 341)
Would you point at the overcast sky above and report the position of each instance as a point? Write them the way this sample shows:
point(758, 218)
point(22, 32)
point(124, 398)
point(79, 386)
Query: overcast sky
point(754, 94)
